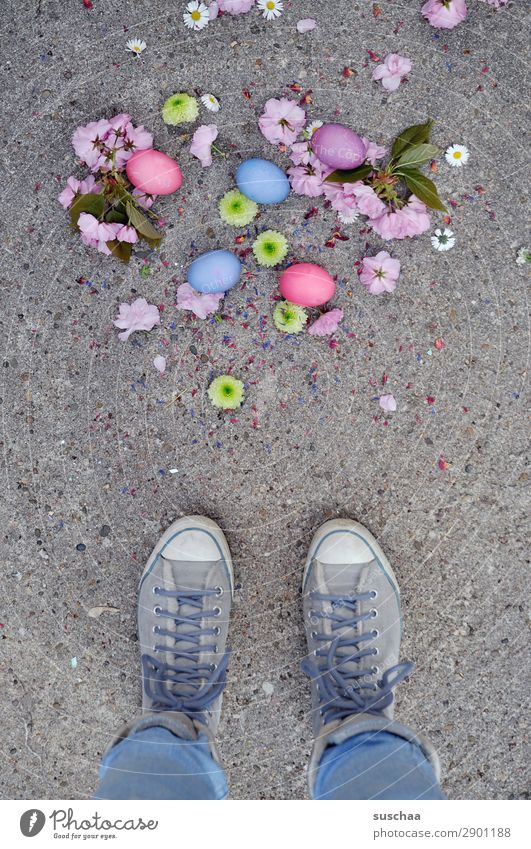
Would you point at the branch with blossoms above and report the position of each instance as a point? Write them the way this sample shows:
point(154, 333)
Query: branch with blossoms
point(105, 209)
point(394, 196)
point(400, 178)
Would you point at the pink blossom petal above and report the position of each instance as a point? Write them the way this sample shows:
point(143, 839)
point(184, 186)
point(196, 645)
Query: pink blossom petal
point(127, 234)
point(136, 316)
point(67, 196)
point(202, 142)
point(373, 151)
point(387, 403)
point(235, 7)
point(445, 15)
point(326, 323)
point(201, 305)
point(306, 25)
point(160, 364)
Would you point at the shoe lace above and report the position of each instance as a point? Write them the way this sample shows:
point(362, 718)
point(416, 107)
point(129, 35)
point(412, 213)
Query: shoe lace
point(345, 686)
point(185, 685)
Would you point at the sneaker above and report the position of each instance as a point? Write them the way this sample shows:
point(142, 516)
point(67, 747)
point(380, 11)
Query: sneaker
point(353, 625)
point(184, 604)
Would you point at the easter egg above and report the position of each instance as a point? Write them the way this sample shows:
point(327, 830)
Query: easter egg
point(153, 172)
point(262, 181)
point(215, 271)
point(306, 284)
point(338, 146)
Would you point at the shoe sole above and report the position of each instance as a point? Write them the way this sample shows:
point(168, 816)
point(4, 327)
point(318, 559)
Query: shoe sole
point(202, 523)
point(362, 532)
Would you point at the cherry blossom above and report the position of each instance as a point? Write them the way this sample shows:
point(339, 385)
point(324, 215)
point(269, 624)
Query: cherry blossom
point(136, 316)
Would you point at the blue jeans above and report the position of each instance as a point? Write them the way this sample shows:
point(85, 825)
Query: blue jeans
point(156, 764)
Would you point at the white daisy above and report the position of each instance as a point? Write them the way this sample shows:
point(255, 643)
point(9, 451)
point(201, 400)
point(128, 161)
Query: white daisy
point(349, 218)
point(136, 46)
point(443, 240)
point(271, 9)
point(523, 256)
point(457, 155)
point(196, 15)
point(211, 102)
point(313, 126)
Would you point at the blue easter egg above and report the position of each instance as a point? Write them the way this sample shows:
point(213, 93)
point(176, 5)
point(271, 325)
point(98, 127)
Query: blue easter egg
point(262, 181)
point(215, 271)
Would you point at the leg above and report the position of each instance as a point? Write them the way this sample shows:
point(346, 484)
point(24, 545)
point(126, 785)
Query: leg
point(376, 765)
point(154, 763)
point(183, 615)
point(360, 752)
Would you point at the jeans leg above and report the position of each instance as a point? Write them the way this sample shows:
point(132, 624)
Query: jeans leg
point(153, 763)
point(376, 765)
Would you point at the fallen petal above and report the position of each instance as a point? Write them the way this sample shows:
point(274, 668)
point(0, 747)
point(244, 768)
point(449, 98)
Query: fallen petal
point(388, 403)
point(306, 25)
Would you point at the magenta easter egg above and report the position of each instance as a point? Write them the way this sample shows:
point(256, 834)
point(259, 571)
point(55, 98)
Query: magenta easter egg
point(338, 146)
point(306, 284)
point(153, 172)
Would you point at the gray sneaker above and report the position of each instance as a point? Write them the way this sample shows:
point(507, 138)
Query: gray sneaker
point(184, 604)
point(353, 625)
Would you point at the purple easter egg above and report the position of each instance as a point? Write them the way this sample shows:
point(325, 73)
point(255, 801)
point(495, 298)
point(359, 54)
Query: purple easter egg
point(338, 146)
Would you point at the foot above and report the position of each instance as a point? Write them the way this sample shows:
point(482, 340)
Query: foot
point(184, 603)
point(353, 624)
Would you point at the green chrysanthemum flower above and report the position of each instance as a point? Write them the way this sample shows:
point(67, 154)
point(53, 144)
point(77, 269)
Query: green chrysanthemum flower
point(236, 209)
point(289, 318)
point(270, 247)
point(226, 392)
point(180, 108)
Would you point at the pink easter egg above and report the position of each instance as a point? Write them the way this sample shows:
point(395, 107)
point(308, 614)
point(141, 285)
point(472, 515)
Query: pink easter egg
point(306, 284)
point(153, 172)
point(338, 146)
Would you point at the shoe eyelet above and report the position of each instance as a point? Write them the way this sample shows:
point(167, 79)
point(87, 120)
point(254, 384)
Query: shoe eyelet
point(213, 667)
point(155, 590)
point(374, 613)
point(217, 611)
point(375, 633)
point(375, 670)
point(157, 610)
point(314, 652)
point(219, 591)
point(215, 650)
point(374, 593)
point(155, 629)
point(313, 635)
point(217, 631)
point(311, 614)
point(376, 651)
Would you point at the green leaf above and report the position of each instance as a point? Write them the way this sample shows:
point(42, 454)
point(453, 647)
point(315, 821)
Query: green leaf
point(121, 250)
point(115, 216)
point(417, 134)
point(144, 227)
point(423, 188)
point(92, 203)
point(351, 175)
point(418, 154)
